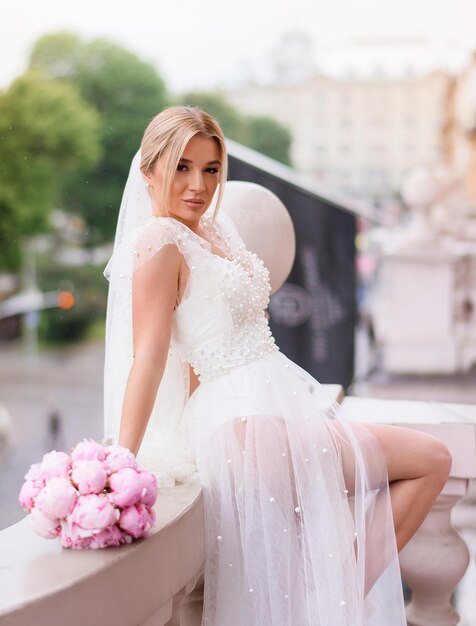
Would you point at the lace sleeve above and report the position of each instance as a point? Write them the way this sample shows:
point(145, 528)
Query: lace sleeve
point(141, 245)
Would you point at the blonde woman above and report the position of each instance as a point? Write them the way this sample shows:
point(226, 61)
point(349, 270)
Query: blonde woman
point(304, 511)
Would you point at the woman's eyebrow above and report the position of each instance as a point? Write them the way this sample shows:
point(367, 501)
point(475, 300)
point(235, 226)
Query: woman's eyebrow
point(209, 162)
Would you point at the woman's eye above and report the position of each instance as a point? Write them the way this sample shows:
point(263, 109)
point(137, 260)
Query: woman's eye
point(210, 170)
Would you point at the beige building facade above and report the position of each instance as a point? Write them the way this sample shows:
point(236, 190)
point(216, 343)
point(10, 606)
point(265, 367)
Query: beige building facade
point(358, 134)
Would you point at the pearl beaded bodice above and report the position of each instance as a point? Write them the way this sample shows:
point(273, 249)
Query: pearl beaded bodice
point(221, 323)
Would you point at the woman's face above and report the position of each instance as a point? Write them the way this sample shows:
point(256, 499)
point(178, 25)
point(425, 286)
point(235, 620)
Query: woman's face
point(194, 183)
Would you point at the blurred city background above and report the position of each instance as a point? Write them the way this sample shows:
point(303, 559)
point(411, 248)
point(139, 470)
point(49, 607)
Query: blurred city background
point(373, 104)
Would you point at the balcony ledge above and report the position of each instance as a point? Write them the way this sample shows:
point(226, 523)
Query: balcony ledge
point(43, 583)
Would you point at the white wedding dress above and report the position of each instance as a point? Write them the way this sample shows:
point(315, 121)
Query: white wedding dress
point(298, 522)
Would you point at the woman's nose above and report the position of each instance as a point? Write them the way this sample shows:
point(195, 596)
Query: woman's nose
point(197, 182)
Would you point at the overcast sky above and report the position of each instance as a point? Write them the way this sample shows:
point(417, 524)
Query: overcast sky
point(196, 43)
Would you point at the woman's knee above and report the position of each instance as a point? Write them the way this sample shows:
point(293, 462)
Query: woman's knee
point(441, 459)
point(413, 454)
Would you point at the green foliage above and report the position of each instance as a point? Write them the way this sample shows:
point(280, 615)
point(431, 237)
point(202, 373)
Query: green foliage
point(269, 137)
point(127, 92)
point(46, 131)
point(89, 288)
point(261, 133)
point(217, 105)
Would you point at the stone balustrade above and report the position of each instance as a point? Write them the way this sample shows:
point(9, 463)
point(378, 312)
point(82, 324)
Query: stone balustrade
point(436, 558)
point(158, 582)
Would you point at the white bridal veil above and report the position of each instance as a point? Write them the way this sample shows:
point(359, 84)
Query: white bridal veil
point(163, 448)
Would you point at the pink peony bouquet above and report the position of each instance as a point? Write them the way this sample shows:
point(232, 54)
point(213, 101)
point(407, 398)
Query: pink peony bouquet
point(94, 498)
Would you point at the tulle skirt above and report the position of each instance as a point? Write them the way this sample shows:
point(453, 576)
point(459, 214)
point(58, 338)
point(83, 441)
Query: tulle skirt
point(299, 529)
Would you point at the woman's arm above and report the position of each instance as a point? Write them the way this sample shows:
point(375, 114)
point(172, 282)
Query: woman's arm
point(154, 296)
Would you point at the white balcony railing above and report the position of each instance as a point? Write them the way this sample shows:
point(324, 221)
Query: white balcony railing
point(436, 558)
point(145, 583)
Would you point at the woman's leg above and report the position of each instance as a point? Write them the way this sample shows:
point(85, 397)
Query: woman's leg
point(418, 466)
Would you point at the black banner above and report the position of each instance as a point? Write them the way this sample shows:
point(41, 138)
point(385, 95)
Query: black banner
point(313, 315)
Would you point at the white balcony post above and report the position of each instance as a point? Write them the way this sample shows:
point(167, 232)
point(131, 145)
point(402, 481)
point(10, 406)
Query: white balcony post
point(464, 519)
point(436, 558)
point(434, 561)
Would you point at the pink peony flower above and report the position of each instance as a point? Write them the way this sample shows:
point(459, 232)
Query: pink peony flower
point(28, 493)
point(35, 474)
point(55, 464)
point(93, 513)
point(110, 536)
point(126, 487)
point(89, 476)
point(119, 458)
point(73, 536)
point(42, 525)
point(87, 450)
point(57, 498)
point(135, 520)
point(149, 488)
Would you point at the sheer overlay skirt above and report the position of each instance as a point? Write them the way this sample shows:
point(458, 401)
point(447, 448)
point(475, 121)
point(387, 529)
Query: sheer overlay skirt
point(299, 529)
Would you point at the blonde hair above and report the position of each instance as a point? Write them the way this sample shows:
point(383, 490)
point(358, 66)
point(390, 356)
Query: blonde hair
point(167, 136)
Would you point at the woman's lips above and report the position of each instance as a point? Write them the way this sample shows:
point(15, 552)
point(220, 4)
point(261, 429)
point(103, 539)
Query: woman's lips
point(195, 204)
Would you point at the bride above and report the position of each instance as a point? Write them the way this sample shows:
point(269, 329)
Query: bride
point(304, 510)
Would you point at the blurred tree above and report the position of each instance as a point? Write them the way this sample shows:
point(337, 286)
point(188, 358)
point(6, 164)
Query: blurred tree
point(46, 131)
point(269, 137)
point(89, 288)
point(261, 133)
point(217, 105)
point(127, 92)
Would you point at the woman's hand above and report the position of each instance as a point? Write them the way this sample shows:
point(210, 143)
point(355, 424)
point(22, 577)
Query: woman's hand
point(154, 296)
